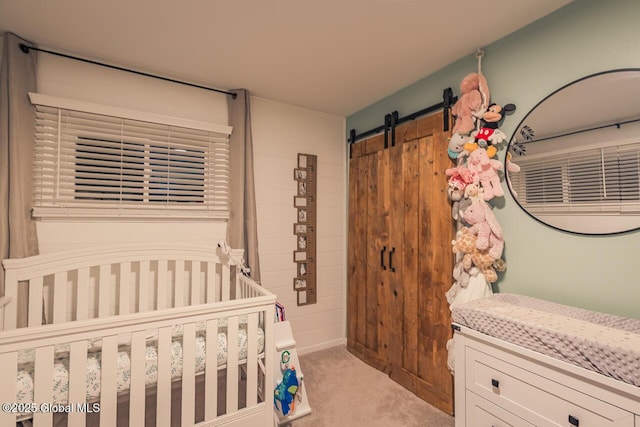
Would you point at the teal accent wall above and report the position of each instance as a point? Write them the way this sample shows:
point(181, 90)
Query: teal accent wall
point(600, 273)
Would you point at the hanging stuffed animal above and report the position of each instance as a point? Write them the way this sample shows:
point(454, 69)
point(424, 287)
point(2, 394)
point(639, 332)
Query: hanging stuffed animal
point(472, 102)
point(487, 172)
point(485, 225)
point(459, 178)
point(489, 135)
point(457, 143)
point(474, 260)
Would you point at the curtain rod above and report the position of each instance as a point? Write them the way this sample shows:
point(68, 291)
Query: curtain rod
point(562, 135)
point(24, 48)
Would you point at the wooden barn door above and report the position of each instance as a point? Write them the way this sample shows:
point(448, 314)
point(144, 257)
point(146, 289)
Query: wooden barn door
point(400, 258)
point(368, 293)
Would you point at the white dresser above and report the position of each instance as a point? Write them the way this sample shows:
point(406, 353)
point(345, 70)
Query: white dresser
point(500, 384)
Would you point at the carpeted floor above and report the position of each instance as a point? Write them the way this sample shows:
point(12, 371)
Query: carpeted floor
point(344, 391)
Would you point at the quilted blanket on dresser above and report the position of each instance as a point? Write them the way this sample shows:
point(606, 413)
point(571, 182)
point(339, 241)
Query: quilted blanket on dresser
point(604, 343)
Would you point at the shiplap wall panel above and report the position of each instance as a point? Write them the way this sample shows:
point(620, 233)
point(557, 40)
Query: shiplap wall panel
point(70, 79)
point(306, 131)
point(275, 154)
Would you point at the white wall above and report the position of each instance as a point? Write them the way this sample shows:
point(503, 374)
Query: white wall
point(281, 132)
point(87, 82)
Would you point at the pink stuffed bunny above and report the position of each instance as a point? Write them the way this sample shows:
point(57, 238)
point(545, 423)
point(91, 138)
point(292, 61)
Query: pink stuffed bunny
point(487, 172)
point(485, 225)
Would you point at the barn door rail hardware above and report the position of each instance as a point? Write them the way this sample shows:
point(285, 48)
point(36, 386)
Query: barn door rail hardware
point(391, 120)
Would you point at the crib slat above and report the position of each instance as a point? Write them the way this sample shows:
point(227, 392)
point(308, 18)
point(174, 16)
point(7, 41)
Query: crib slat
point(137, 388)
point(77, 381)
point(232, 365)
point(104, 294)
point(82, 297)
point(211, 371)
point(43, 383)
point(252, 357)
point(161, 302)
point(143, 296)
point(35, 302)
point(211, 282)
point(108, 391)
point(179, 284)
point(60, 297)
point(163, 412)
point(269, 356)
point(8, 372)
point(226, 283)
point(188, 374)
point(10, 291)
point(124, 288)
point(195, 282)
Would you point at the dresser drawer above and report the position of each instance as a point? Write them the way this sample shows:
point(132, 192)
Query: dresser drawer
point(482, 413)
point(541, 401)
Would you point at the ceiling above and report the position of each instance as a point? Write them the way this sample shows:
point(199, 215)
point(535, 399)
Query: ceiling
point(334, 56)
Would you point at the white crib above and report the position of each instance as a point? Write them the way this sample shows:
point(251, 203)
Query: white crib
point(124, 339)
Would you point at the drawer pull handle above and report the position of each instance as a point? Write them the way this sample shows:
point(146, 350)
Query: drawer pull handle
point(574, 421)
point(495, 383)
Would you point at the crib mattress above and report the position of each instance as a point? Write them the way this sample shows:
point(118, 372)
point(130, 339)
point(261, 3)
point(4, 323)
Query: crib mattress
point(25, 375)
point(604, 343)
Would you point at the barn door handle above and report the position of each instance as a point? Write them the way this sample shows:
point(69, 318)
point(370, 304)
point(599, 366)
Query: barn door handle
point(391, 252)
point(382, 251)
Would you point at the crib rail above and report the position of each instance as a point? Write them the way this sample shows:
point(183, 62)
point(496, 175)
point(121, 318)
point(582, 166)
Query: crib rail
point(135, 330)
point(116, 280)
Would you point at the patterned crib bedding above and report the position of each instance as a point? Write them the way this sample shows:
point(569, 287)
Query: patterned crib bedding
point(604, 343)
point(25, 375)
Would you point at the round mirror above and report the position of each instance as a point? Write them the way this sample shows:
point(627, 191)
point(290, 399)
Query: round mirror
point(578, 155)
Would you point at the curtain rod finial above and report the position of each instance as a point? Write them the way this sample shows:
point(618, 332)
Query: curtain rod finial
point(24, 48)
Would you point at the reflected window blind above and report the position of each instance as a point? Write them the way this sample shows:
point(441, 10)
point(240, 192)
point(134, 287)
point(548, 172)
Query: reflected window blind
point(600, 180)
point(89, 164)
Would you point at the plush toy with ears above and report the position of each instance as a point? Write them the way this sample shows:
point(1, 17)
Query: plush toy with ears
point(472, 102)
point(475, 260)
point(457, 143)
point(487, 172)
point(489, 135)
point(459, 178)
point(485, 225)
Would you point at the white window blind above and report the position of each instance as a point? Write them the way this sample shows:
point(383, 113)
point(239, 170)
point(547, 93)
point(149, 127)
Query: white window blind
point(599, 180)
point(99, 165)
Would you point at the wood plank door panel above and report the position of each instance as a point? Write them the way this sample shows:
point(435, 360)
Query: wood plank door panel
point(368, 234)
point(426, 267)
point(400, 258)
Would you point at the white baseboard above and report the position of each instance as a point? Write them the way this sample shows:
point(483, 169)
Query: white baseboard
point(322, 346)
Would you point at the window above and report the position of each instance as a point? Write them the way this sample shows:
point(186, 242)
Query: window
point(596, 180)
point(92, 164)
point(543, 185)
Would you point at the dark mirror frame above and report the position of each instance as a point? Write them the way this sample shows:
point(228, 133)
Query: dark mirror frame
point(514, 147)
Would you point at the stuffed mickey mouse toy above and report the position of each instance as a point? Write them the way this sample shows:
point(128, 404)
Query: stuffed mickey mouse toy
point(489, 134)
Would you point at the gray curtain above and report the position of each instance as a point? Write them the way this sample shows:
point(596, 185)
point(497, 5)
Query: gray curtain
point(242, 231)
point(17, 118)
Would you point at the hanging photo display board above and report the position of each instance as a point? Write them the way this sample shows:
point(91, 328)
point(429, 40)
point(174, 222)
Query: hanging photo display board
point(304, 256)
